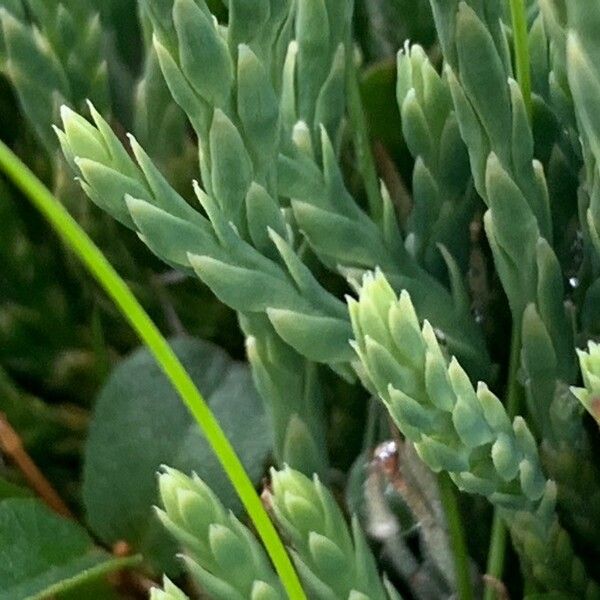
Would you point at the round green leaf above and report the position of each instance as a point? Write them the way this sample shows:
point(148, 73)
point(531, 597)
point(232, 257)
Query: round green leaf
point(139, 423)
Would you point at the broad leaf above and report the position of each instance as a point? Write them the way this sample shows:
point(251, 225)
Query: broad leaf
point(139, 423)
point(42, 554)
point(11, 490)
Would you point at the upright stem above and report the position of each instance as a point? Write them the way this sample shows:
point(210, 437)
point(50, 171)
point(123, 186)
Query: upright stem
point(497, 550)
point(91, 256)
point(362, 141)
point(519, 26)
point(496, 555)
point(460, 554)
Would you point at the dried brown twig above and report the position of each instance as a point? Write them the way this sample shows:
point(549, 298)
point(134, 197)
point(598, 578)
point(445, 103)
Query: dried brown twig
point(12, 446)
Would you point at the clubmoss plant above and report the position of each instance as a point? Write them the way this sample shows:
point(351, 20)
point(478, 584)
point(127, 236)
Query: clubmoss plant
point(463, 431)
point(589, 396)
point(221, 554)
point(283, 217)
point(223, 557)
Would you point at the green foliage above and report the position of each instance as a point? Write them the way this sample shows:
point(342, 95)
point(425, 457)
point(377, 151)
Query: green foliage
point(221, 553)
point(252, 171)
point(443, 198)
point(43, 554)
point(62, 63)
point(333, 561)
point(10, 490)
point(590, 369)
point(242, 266)
point(277, 376)
point(223, 557)
point(464, 432)
point(169, 592)
point(493, 119)
point(138, 415)
point(583, 50)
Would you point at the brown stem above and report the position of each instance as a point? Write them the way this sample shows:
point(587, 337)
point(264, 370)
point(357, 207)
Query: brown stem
point(12, 446)
point(134, 583)
point(393, 181)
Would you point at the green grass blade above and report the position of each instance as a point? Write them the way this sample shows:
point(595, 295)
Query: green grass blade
point(458, 542)
point(97, 264)
point(521, 42)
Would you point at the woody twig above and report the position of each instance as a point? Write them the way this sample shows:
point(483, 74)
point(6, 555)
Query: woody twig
point(11, 446)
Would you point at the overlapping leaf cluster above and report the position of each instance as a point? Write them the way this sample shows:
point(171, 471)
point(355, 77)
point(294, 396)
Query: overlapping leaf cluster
point(264, 91)
point(463, 431)
point(226, 561)
point(267, 119)
point(245, 249)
